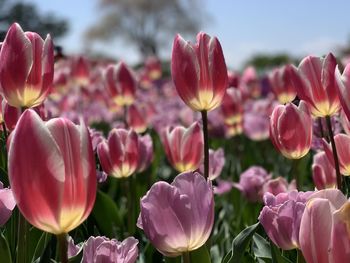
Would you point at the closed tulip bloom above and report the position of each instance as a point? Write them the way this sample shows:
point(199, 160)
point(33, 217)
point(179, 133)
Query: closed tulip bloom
point(281, 217)
point(10, 115)
point(324, 236)
point(342, 142)
point(102, 249)
point(146, 152)
point(199, 72)
point(184, 147)
point(52, 172)
point(316, 84)
point(178, 217)
point(291, 130)
point(136, 119)
point(282, 85)
point(120, 83)
point(232, 106)
point(153, 67)
point(343, 81)
point(119, 155)
point(26, 67)
point(80, 71)
point(323, 172)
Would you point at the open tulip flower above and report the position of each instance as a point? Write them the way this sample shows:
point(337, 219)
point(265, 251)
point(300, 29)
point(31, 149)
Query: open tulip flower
point(119, 155)
point(184, 147)
point(178, 217)
point(26, 67)
point(316, 84)
point(291, 130)
point(52, 172)
point(199, 72)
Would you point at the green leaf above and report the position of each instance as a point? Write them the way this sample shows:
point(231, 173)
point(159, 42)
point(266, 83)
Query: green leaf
point(41, 245)
point(172, 260)
point(276, 255)
point(240, 244)
point(5, 253)
point(261, 247)
point(106, 214)
point(200, 255)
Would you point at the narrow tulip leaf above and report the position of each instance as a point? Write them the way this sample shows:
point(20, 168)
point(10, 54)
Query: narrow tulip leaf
point(240, 244)
point(261, 247)
point(5, 253)
point(41, 245)
point(200, 255)
point(106, 214)
point(77, 258)
point(277, 257)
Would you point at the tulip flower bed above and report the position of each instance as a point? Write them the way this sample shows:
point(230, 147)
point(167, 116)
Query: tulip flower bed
point(103, 163)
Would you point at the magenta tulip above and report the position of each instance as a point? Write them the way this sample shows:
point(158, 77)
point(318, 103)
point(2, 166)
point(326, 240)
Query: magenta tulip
point(121, 84)
point(145, 153)
point(342, 142)
point(216, 163)
point(316, 84)
point(80, 71)
point(26, 67)
point(52, 172)
point(136, 118)
point(119, 155)
point(343, 86)
point(7, 204)
point(232, 106)
point(199, 72)
point(291, 130)
point(178, 217)
point(184, 147)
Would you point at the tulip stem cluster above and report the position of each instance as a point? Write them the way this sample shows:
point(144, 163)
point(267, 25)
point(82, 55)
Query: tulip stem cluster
point(63, 247)
point(206, 143)
point(334, 150)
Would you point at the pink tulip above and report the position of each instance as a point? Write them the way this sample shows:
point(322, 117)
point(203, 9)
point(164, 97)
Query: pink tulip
point(26, 67)
point(119, 155)
point(7, 204)
point(153, 67)
point(316, 84)
point(10, 115)
point(232, 106)
point(249, 84)
point(146, 153)
point(216, 163)
point(278, 185)
point(233, 79)
point(282, 85)
point(251, 183)
point(120, 83)
point(324, 234)
point(80, 71)
point(199, 72)
point(291, 130)
point(343, 81)
point(52, 172)
point(342, 142)
point(323, 172)
point(183, 147)
point(136, 118)
point(178, 217)
point(281, 217)
point(102, 249)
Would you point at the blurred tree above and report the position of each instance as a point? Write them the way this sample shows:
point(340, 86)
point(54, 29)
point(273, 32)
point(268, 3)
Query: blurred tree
point(148, 24)
point(27, 15)
point(266, 61)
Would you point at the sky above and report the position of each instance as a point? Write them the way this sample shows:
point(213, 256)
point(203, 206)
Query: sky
point(244, 28)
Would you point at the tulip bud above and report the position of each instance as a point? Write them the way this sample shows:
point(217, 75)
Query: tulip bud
point(291, 130)
point(26, 67)
point(232, 106)
point(178, 217)
point(342, 143)
point(323, 172)
point(184, 147)
point(120, 83)
point(315, 83)
point(282, 85)
point(119, 155)
point(199, 72)
point(52, 172)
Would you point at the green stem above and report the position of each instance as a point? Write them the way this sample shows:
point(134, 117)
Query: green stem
point(4, 130)
point(300, 257)
point(63, 247)
point(186, 257)
point(206, 143)
point(22, 239)
point(335, 155)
